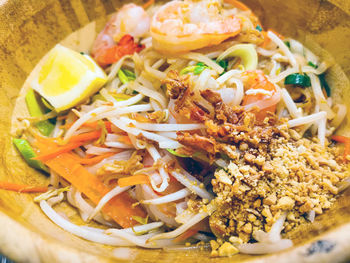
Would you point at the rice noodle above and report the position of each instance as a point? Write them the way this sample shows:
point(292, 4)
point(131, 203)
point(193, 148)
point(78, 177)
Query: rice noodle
point(119, 145)
point(322, 131)
point(91, 149)
point(79, 231)
point(105, 199)
point(115, 68)
point(165, 127)
point(265, 248)
point(288, 101)
point(191, 183)
point(168, 198)
point(156, 95)
point(163, 141)
point(178, 231)
point(163, 174)
point(307, 119)
point(320, 99)
point(283, 47)
point(228, 75)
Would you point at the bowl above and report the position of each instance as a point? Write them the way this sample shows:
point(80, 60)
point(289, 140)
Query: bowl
point(29, 29)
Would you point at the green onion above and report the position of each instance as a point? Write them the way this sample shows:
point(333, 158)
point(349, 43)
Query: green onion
point(36, 110)
point(199, 69)
point(28, 153)
point(200, 64)
point(287, 43)
point(298, 80)
point(131, 75)
point(177, 154)
point(324, 84)
point(123, 78)
point(259, 28)
point(312, 64)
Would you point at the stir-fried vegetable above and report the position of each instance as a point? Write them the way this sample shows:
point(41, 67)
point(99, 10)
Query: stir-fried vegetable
point(126, 75)
point(173, 152)
point(246, 52)
point(300, 80)
point(36, 110)
point(133, 180)
point(28, 153)
point(120, 208)
point(324, 84)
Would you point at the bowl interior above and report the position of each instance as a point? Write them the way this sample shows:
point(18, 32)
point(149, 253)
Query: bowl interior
point(30, 29)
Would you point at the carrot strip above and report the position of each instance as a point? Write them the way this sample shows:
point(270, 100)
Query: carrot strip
point(120, 208)
point(87, 136)
point(21, 188)
point(53, 152)
point(148, 4)
point(185, 235)
point(133, 180)
point(93, 160)
point(340, 138)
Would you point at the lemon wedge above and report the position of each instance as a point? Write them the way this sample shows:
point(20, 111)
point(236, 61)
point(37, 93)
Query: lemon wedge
point(67, 78)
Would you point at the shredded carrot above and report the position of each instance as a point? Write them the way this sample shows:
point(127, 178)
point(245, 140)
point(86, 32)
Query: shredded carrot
point(93, 160)
point(133, 180)
point(185, 235)
point(340, 138)
point(52, 152)
point(20, 188)
point(87, 136)
point(120, 208)
point(148, 4)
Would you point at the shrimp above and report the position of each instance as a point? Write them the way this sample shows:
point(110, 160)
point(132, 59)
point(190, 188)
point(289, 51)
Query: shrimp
point(263, 94)
point(181, 26)
point(129, 20)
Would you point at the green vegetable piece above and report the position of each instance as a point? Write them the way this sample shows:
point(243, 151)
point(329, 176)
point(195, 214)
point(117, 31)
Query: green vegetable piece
point(131, 75)
point(312, 64)
point(45, 127)
point(287, 43)
point(28, 153)
point(123, 78)
point(33, 106)
point(224, 65)
point(200, 64)
point(35, 109)
point(298, 80)
point(177, 154)
point(324, 84)
point(187, 70)
point(246, 52)
point(199, 69)
point(259, 28)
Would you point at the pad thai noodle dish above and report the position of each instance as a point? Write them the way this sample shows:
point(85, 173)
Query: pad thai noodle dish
point(187, 126)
